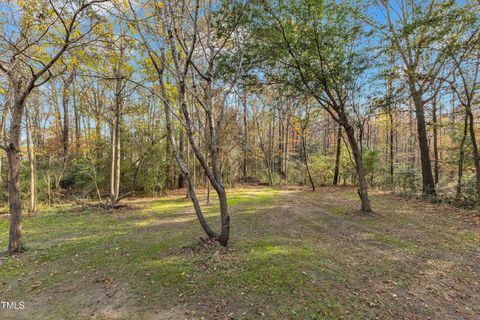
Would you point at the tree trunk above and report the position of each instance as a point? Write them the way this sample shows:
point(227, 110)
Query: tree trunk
point(169, 184)
point(113, 166)
point(476, 155)
point(115, 169)
point(392, 155)
point(245, 134)
point(3, 120)
point(176, 154)
point(208, 191)
point(31, 161)
point(181, 178)
point(428, 188)
point(281, 130)
point(116, 159)
point(435, 142)
point(98, 125)
point(363, 188)
point(336, 171)
point(461, 157)
point(286, 149)
point(76, 116)
point(66, 126)
point(225, 218)
point(213, 172)
point(13, 155)
point(304, 145)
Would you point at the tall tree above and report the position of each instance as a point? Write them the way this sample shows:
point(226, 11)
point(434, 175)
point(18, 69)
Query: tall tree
point(34, 36)
point(422, 34)
point(196, 44)
point(315, 54)
point(465, 84)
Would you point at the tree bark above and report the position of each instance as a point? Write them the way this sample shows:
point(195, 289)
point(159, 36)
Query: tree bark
point(428, 182)
point(391, 145)
point(461, 157)
point(98, 122)
point(66, 122)
point(76, 116)
point(286, 148)
point(213, 171)
point(13, 155)
point(179, 160)
point(31, 161)
point(363, 188)
point(169, 184)
point(245, 134)
point(181, 178)
point(336, 171)
point(115, 169)
point(3, 120)
point(305, 158)
point(476, 155)
point(435, 142)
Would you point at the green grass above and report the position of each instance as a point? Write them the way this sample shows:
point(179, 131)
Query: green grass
point(395, 242)
point(293, 255)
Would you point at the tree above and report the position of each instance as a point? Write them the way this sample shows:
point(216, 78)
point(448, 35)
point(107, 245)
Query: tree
point(208, 47)
point(465, 84)
point(315, 54)
point(200, 52)
point(39, 34)
point(303, 120)
point(421, 33)
point(121, 73)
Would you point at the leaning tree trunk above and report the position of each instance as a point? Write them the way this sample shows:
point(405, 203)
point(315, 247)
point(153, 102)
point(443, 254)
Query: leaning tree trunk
point(363, 188)
point(183, 167)
point(13, 155)
point(337, 156)
point(305, 158)
point(213, 173)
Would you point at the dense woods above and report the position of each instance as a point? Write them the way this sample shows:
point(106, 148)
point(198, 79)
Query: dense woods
point(106, 99)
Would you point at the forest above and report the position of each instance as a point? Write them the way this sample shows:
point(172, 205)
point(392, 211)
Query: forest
point(239, 159)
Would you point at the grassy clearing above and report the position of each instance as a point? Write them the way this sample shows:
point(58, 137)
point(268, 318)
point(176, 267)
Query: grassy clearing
point(293, 255)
